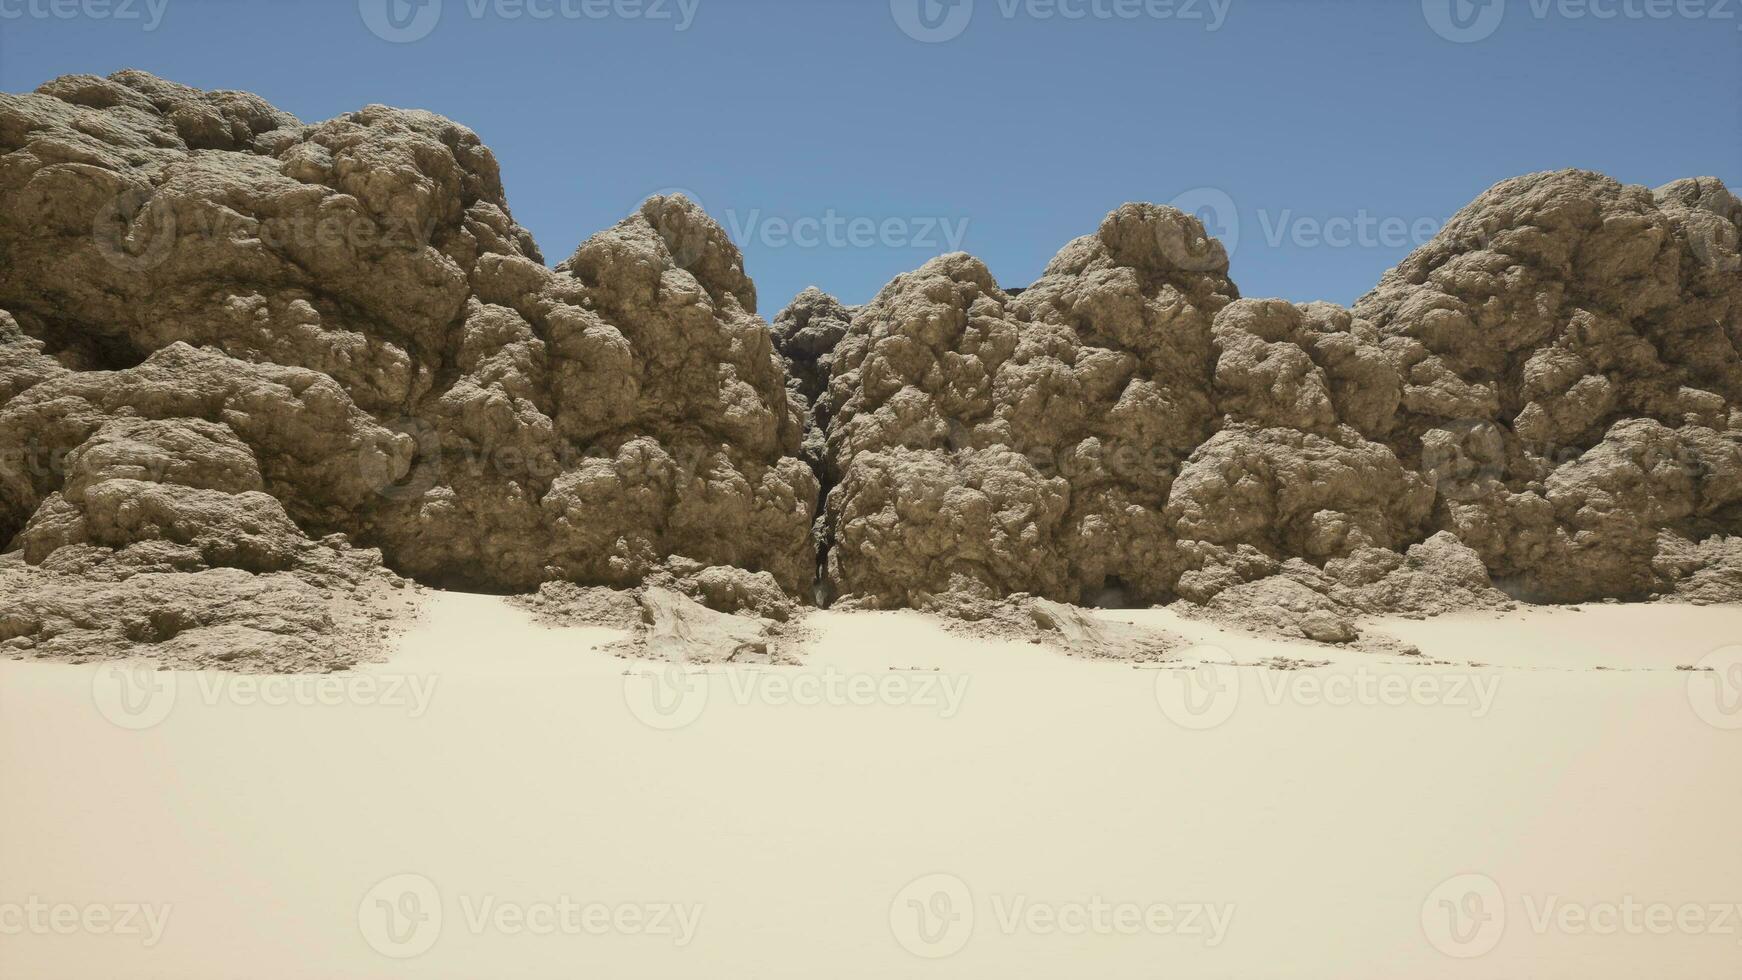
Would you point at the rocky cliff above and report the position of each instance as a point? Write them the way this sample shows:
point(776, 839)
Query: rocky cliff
point(1544, 402)
point(239, 352)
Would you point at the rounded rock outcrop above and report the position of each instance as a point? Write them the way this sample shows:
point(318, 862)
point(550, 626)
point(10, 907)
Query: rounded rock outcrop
point(224, 325)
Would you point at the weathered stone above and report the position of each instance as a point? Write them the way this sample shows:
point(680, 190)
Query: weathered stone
point(231, 343)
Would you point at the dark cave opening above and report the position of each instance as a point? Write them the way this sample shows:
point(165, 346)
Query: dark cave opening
point(78, 347)
point(1112, 594)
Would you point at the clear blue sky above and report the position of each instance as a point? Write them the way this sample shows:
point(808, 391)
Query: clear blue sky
point(1025, 124)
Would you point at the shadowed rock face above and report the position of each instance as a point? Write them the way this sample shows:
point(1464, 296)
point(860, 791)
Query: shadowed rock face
point(230, 341)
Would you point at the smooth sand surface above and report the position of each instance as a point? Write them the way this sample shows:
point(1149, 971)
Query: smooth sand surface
point(504, 800)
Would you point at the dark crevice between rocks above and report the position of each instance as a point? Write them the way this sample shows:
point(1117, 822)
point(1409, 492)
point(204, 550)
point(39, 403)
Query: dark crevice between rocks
point(822, 540)
point(9, 531)
point(805, 335)
point(80, 347)
point(815, 456)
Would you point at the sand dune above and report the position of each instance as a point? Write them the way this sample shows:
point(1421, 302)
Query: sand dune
point(503, 799)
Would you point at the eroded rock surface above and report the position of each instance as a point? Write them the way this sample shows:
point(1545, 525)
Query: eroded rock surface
point(336, 608)
point(244, 355)
point(806, 333)
point(1081, 634)
point(1547, 398)
point(721, 588)
point(1572, 350)
point(1296, 598)
point(678, 629)
point(985, 444)
point(224, 330)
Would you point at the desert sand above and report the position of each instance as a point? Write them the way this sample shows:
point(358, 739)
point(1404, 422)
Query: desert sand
point(501, 798)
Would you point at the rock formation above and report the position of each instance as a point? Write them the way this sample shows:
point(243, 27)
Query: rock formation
point(1546, 398)
point(344, 331)
point(1574, 381)
point(247, 365)
point(982, 444)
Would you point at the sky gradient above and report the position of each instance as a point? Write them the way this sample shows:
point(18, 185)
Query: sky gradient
point(841, 142)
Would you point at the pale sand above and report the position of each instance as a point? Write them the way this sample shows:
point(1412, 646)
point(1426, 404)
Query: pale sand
point(795, 827)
